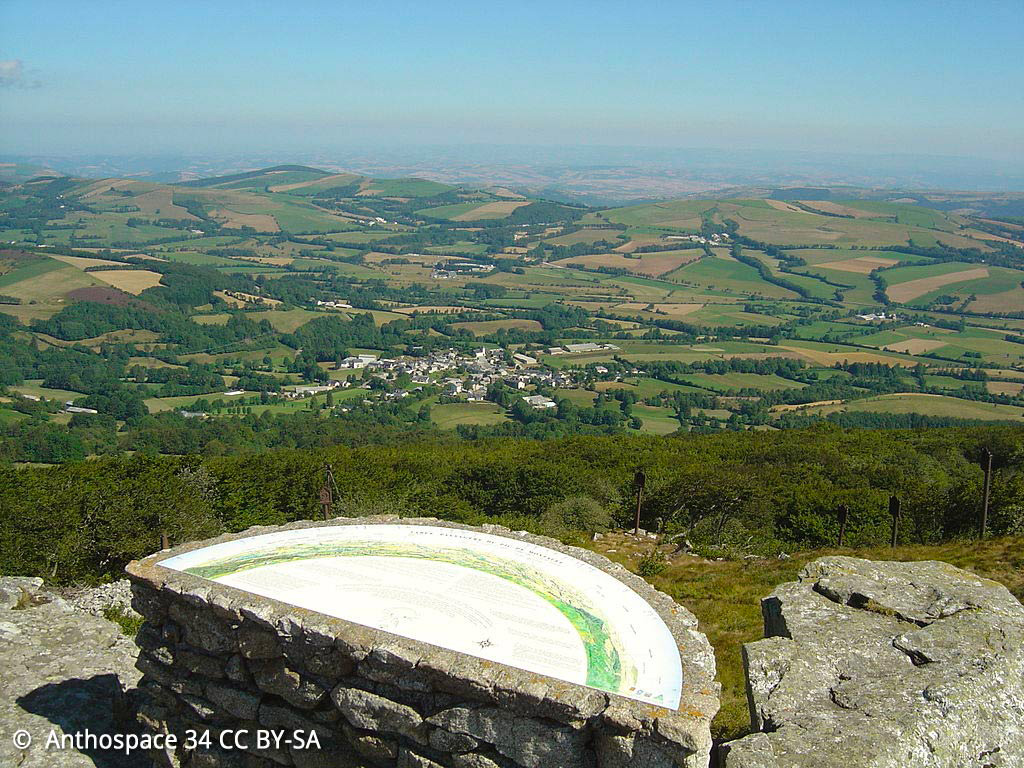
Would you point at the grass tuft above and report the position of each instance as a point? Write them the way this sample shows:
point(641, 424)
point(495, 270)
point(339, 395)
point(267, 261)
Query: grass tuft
point(128, 622)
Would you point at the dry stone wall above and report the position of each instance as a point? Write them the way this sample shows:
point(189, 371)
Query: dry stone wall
point(886, 665)
point(219, 660)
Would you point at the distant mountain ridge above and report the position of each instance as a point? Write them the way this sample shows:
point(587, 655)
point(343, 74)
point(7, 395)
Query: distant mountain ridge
point(212, 181)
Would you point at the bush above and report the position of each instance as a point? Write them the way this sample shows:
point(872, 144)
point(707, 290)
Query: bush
point(576, 513)
point(652, 564)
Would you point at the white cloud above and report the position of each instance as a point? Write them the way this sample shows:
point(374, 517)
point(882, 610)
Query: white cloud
point(14, 75)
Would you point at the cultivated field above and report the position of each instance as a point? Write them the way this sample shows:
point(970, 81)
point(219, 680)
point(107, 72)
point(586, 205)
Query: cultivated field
point(651, 264)
point(483, 327)
point(931, 405)
point(496, 210)
point(82, 262)
point(861, 265)
point(261, 222)
point(679, 310)
point(915, 346)
point(128, 280)
point(911, 289)
point(1005, 301)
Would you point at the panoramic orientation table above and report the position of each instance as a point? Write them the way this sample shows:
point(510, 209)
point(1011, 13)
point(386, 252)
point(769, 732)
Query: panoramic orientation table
point(493, 597)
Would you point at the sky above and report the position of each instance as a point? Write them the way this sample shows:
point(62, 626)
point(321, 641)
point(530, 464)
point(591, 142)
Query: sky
point(893, 77)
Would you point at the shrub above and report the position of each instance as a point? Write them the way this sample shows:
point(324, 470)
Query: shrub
point(576, 513)
point(652, 564)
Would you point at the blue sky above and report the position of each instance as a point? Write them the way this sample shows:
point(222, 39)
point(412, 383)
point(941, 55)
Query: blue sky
point(874, 77)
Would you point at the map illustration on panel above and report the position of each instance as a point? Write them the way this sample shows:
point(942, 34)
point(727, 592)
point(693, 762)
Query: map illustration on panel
point(487, 596)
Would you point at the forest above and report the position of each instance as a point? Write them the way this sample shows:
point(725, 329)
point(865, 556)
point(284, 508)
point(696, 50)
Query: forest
point(729, 495)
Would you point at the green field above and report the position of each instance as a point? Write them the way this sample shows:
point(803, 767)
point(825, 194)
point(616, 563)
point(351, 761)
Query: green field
point(713, 308)
point(406, 187)
point(197, 257)
point(929, 405)
point(451, 415)
point(759, 220)
point(8, 416)
point(727, 274)
point(723, 382)
point(287, 321)
point(656, 420)
point(29, 269)
point(158, 404)
point(644, 386)
point(581, 397)
point(584, 236)
point(35, 387)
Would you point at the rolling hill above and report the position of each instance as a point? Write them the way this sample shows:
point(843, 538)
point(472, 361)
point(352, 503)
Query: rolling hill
point(762, 312)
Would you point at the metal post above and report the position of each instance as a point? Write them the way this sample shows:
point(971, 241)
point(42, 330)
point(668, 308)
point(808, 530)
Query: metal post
point(987, 466)
point(640, 480)
point(328, 491)
point(844, 515)
point(894, 510)
point(165, 541)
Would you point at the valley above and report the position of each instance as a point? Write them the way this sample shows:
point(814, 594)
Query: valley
point(135, 313)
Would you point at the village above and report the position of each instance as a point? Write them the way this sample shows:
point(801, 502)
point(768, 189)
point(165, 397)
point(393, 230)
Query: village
point(460, 376)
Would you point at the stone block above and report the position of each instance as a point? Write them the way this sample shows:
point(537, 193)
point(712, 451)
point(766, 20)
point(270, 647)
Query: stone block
point(884, 665)
point(274, 676)
point(371, 712)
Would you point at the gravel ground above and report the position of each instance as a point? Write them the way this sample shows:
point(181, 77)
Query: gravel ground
point(95, 600)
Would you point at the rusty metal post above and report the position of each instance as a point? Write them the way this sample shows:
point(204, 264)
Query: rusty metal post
point(328, 491)
point(640, 479)
point(894, 510)
point(165, 541)
point(844, 515)
point(987, 467)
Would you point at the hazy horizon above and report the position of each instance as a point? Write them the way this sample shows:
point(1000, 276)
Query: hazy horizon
point(872, 79)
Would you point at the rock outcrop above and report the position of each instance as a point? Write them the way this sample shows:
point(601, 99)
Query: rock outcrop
point(62, 672)
point(886, 665)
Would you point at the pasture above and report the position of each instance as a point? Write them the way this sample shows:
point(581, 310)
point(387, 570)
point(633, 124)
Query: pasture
point(287, 321)
point(725, 273)
point(160, 404)
point(888, 225)
point(649, 264)
point(861, 265)
point(930, 405)
point(35, 388)
point(724, 382)
point(644, 386)
point(656, 420)
point(451, 415)
point(584, 236)
point(487, 327)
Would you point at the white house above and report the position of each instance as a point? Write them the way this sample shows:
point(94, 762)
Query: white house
point(358, 361)
point(540, 402)
point(69, 408)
